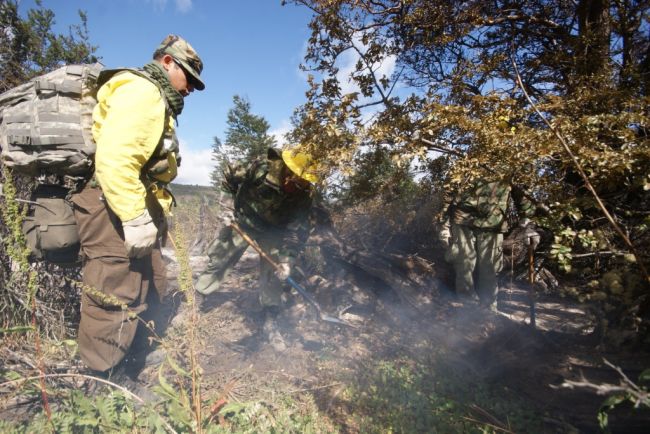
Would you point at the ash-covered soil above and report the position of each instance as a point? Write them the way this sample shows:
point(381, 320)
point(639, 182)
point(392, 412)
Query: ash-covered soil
point(499, 350)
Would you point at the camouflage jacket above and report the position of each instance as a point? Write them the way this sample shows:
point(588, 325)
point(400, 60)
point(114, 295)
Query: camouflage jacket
point(262, 206)
point(485, 206)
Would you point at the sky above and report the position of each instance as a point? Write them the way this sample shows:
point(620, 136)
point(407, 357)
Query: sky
point(251, 48)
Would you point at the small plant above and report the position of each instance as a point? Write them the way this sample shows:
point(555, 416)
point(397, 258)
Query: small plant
point(284, 415)
point(21, 284)
point(627, 390)
point(405, 396)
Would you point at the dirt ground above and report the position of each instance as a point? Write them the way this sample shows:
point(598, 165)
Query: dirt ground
point(500, 349)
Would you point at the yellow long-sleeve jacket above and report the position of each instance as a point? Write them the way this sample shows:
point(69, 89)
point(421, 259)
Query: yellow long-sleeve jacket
point(128, 125)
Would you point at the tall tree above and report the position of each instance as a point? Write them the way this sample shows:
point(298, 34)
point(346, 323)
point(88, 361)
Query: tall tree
point(29, 47)
point(246, 137)
point(474, 78)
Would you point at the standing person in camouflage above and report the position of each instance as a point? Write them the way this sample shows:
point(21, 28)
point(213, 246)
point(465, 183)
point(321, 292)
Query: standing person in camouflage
point(473, 229)
point(272, 201)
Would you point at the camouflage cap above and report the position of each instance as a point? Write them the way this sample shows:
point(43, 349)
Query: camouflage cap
point(184, 54)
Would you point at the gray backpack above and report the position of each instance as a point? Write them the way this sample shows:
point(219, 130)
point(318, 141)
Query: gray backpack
point(46, 129)
point(45, 124)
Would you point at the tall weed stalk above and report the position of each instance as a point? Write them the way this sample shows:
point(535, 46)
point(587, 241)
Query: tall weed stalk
point(191, 325)
point(18, 254)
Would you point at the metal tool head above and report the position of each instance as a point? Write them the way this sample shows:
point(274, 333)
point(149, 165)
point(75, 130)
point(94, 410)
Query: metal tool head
point(334, 320)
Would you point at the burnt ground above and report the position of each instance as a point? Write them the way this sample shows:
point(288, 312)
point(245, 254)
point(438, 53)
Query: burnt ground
point(499, 351)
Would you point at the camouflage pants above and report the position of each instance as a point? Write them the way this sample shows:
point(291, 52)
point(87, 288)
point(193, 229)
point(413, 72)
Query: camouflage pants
point(477, 257)
point(111, 279)
point(227, 249)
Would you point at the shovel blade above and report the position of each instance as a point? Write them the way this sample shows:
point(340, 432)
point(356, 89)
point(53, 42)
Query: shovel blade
point(334, 320)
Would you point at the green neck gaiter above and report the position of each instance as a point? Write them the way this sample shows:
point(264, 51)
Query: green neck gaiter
point(173, 97)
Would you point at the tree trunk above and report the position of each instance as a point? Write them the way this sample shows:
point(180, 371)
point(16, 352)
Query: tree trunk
point(594, 34)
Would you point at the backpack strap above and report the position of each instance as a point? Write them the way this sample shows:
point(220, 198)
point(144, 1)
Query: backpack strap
point(66, 86)
point(64, 137)
point(69, 86)
point(107, 74)
point(43, 117)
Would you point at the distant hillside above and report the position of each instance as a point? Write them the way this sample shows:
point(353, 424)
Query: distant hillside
point(194, 190)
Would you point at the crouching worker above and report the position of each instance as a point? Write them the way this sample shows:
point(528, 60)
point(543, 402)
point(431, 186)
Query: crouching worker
point(272, 202)
point(121, 210)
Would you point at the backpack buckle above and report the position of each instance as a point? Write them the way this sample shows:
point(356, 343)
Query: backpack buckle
point(19, 140)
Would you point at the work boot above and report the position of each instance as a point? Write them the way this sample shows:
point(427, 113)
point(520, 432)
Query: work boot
point(93, 388)
point(122, 376)
point(138, 360)
point(207, 283)
point(271, 328)
point(490, 306)
point(155, 358)
point(184, 312)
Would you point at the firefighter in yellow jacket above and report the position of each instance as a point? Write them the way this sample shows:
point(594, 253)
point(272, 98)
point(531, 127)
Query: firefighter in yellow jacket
point(121, 210)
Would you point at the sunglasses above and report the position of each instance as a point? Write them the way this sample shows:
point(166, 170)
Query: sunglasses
point(190, 78)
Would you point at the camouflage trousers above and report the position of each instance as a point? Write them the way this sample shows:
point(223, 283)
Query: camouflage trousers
point(227, 249)
point(477, 257)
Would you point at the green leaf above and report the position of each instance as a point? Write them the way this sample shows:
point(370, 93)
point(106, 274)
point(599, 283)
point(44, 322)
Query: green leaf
point(176, 368)
point(644, 376)
point(232, 407)
point(165, 386)
point(610, 403)
point(12, 375)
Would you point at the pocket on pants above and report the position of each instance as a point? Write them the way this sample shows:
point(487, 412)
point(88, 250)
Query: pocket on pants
point(111, 282)
point(99, 229)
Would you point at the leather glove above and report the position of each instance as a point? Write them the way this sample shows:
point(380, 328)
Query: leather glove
point(444, 236)
point(531, 237)
point(227, 211)
point(140, 235)
point(228, 218)
point(283, 271)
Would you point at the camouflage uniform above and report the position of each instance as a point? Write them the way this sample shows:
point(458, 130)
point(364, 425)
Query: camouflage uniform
point(278, 220)
point(478, 220)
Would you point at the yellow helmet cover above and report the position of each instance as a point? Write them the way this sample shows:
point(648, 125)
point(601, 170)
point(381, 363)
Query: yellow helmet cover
point(301, 164)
